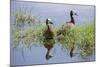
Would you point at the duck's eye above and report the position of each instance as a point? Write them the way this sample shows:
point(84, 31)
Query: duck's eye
point(76, 14)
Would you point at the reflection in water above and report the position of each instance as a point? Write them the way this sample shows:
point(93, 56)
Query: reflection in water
point(37, 56)
point(48, 45)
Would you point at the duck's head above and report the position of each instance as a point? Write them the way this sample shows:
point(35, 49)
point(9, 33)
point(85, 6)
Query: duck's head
point(48, 21)
point(72, 12)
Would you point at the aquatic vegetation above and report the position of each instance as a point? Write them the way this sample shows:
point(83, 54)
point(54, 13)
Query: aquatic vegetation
point(80, 38)
point(26, 35)
point(87, 39)
point(22, 18)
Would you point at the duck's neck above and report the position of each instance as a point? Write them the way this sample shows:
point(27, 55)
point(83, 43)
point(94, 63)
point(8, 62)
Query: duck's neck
point(48, 28)
point(72, 19)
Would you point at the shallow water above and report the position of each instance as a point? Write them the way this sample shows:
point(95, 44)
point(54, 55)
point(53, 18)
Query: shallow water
point(37, 56)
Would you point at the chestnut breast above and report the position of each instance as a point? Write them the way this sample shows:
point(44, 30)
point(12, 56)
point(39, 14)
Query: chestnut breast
point(70, 25)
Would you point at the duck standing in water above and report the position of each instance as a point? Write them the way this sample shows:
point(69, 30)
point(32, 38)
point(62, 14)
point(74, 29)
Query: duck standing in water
point(67, 27)
point(71, 24)
point(48, 38)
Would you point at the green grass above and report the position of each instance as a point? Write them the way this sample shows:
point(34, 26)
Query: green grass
point(87, 39)
point(81, 37)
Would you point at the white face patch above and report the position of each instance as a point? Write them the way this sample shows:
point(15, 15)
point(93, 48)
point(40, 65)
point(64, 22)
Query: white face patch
point(50, 25)
point(49, 19)
point(74, 12)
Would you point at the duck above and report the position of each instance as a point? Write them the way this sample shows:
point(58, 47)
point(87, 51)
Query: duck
point(68, 26)
point(71, 23)
point(48, 38)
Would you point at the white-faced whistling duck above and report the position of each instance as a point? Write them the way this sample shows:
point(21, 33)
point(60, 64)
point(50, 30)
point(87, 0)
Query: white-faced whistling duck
point(48, 38)
point(67, 27)
point(71, 24)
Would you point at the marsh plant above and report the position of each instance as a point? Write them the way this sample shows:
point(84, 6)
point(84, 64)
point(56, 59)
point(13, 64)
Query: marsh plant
point(29, 29)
